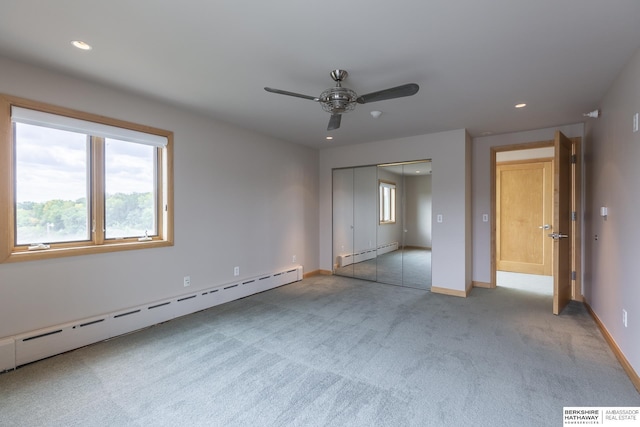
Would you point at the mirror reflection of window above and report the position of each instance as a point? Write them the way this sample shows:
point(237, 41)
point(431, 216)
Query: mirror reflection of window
point(387, 202)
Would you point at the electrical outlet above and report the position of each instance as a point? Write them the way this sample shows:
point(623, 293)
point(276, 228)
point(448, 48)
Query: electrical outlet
point(485, 218)
point(236, 271)
point(439, 218)
point(624, 317)
point(293, 258)
point(187, 281)
point(635, 122)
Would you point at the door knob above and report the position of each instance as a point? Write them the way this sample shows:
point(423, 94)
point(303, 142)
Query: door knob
point(558, 236)
point(545, 227)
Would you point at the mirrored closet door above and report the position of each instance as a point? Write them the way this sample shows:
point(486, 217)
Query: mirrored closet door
point(354, 222)
point(382, 223)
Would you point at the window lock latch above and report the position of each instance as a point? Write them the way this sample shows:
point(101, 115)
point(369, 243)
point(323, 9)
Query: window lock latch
point(39, 247)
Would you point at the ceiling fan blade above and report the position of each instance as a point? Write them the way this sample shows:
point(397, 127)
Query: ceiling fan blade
point(391, 93)
point(284, 92)
point(334, 121)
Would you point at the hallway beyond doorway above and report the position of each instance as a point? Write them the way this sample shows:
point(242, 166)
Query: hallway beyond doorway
point(525, 282)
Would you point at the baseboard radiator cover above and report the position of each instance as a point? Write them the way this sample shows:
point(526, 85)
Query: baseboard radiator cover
point(42, 343)
point(7, 354)
point(365, 254)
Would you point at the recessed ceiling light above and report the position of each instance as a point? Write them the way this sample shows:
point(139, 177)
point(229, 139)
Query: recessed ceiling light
point(375, 114)
point(81, 45)
point(521, 105)
point(329, 138)
point(417, 171)
point(487, 133)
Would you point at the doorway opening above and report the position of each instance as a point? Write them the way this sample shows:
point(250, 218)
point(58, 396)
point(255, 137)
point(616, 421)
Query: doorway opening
point(525, 201)
point(523, 211)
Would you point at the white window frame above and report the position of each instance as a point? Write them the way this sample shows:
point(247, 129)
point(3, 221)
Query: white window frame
point(387, 200)
point(99, 128)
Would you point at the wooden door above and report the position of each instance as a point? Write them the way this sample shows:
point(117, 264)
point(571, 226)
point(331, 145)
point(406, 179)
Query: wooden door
point(561, 224)
point(523, 214)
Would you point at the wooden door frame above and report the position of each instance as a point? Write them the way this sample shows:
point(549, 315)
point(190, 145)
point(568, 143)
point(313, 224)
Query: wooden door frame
point(576, 203)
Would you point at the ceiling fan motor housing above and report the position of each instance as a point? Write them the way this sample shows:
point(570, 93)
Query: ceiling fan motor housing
point(338, 100)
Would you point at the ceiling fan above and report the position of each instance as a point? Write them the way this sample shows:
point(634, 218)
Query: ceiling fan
point(338, 99)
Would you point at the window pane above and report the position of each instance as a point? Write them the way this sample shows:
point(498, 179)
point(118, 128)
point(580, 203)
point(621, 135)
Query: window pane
point(392, 204)
point(386, 203)
point(51, 185)
point(381, 203)
point(130, 187)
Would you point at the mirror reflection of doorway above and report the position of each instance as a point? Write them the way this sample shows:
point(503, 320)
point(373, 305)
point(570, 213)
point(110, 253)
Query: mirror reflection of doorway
point(382, 223)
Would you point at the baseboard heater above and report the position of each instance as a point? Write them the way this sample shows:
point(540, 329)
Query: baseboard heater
point(366, 254)
point(39, 344)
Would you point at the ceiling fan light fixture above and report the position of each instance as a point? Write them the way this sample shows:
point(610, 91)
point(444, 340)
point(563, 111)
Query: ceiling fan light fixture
point(338, 100)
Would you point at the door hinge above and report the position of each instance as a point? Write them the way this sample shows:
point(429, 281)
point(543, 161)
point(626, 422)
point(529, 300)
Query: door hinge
point(573, 275)
point(574, 216)
point(574, 159)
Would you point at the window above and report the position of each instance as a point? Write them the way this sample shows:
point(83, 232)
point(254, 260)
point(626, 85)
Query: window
point(78, 183)
point(387, 202)
point(129, 180)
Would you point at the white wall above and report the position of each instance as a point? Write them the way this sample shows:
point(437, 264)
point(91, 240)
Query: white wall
point(450, 154)
point(612, 270)
point(241, 199)
point(481, 188)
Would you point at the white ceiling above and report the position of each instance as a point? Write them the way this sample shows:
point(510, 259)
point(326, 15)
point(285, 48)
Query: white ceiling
point(473, 59)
